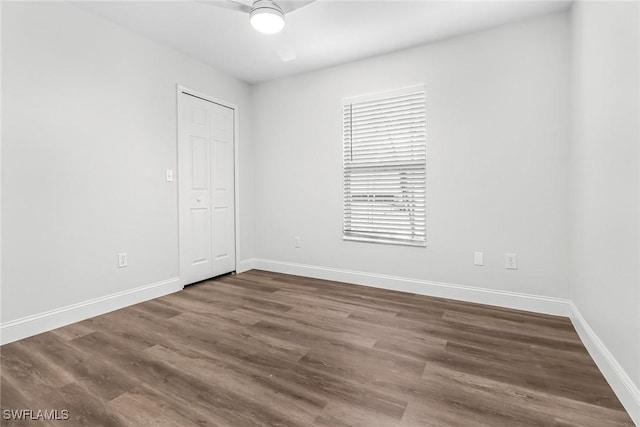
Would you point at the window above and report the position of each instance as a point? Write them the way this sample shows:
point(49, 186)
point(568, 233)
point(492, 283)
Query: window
point(384, 138)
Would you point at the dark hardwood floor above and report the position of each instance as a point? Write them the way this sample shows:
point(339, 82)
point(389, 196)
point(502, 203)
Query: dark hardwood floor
point(266, 349)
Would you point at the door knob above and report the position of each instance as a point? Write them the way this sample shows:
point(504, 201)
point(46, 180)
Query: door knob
point(199, 199)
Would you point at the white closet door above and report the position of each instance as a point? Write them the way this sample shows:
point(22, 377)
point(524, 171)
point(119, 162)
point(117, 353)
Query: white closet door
point(223, 185)
point(206, 189)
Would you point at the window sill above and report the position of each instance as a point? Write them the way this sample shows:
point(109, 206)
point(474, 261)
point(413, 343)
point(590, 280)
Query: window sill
point(384, 241)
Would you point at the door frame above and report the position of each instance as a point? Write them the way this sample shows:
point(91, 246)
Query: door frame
point(236, 187)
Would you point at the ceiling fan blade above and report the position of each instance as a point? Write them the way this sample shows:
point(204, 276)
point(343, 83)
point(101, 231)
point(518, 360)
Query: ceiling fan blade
point(291, 5)
point(282, 45)
point(238, 6)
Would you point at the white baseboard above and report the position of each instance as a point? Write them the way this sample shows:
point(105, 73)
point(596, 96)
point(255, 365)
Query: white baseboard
point(519, 301)
point(244, 265)
point(32, 325)
point(616, 376)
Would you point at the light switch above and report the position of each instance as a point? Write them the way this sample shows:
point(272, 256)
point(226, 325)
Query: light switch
point(169, 175)
point(478, 258)
point(123, 260)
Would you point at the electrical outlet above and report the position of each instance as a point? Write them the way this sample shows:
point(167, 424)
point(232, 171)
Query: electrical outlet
point(511, 261)
point(169, 175)
point(478, 258)
point(123, 260)
point(297, 242)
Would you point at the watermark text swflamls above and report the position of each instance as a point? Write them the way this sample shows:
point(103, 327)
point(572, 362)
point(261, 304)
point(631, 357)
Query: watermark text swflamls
point(35, 415)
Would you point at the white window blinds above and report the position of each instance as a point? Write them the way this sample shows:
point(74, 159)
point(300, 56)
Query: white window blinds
point(385, 167)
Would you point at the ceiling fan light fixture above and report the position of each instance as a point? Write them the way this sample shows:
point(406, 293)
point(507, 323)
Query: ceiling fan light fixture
point(266, 17)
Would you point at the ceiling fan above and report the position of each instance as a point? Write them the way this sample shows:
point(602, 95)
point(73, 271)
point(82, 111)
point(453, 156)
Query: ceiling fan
point(267, 17)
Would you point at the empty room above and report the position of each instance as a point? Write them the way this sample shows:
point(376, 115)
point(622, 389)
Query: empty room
point(320, 213)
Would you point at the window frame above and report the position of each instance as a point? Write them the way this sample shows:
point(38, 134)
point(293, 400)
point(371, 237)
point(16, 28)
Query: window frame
point(350, 235)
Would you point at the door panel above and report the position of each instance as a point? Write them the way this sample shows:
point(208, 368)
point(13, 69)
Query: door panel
point(199, 163)
point(199, 116)
point(200, 232)
point(194, 178)
point(220, 243)
point(223, 184)
point(206, 189)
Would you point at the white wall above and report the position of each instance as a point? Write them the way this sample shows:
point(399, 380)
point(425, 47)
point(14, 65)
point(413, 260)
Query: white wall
point(605, 188)
point(497, 152)
point(89, 127)
point(88, 115)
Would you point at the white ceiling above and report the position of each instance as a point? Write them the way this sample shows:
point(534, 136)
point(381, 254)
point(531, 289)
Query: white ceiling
point(324, 33)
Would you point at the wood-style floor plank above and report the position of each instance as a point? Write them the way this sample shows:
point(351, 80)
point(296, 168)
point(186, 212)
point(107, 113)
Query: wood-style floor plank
point(268, 349)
